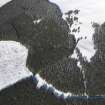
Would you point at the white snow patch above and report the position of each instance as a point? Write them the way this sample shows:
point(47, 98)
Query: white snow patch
point(74, 55)
point(12, 63)
point(41, 82)
point(37, 21)
point(57, 92)
point(79, 65)
point(3, 2)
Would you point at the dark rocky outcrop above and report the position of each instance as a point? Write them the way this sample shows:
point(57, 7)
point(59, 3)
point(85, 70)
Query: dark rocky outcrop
point(48, 39)
point(95, 70)
point(66, 76)
point(50, 44)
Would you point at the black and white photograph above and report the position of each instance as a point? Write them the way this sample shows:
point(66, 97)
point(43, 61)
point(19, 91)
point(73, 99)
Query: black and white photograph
point(52, 52)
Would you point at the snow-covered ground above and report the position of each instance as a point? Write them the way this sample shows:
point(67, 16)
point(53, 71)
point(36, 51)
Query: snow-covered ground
point(12, 63)
point(3, 2)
